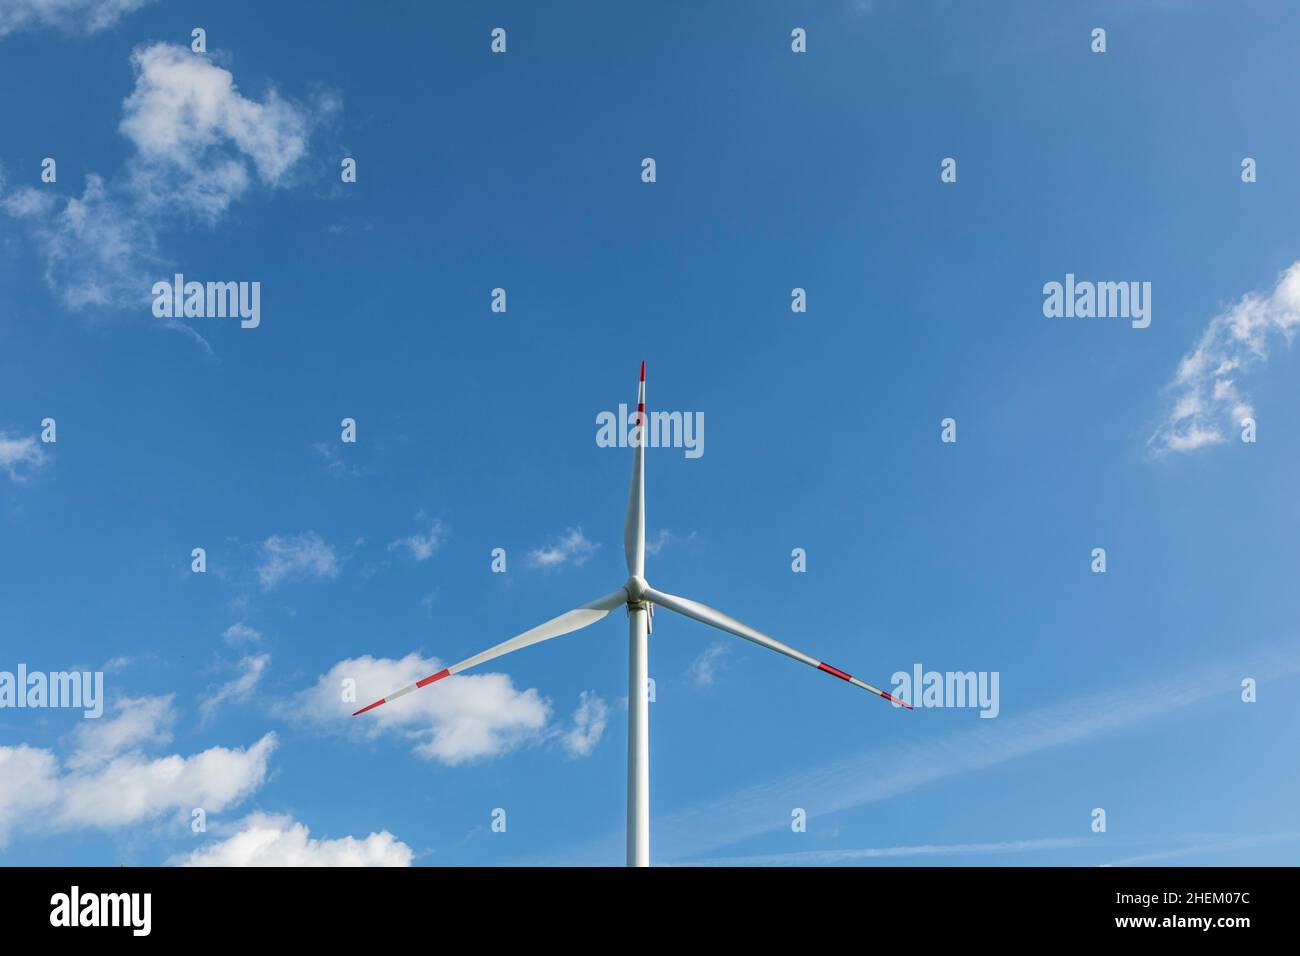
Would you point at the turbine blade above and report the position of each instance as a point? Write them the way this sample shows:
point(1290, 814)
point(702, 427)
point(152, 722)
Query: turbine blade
point(566, 623)
point(707, 615)
point(634, 525)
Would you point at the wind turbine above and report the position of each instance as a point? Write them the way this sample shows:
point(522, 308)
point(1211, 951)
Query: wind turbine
point(638, 597)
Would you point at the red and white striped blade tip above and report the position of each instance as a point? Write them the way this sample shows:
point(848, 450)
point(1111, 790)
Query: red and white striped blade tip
point(844, 675)
point(406, 690)
point(643, 370)
point(888, 696)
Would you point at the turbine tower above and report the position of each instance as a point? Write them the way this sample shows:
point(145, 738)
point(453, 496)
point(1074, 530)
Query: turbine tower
point(638, 597)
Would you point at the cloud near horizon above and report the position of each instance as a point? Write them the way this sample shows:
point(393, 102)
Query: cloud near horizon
point(109, 781)
point(263, 839)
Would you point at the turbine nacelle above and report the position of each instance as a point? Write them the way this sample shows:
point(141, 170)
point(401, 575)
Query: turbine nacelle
point(636, 588)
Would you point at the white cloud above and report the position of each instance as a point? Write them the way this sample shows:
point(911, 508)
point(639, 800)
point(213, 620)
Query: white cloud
point(132, 787)
point(572, 547)
point(588, 725)
point(137, 721)
point(97, 250)
point(27, 202)
point(286, 557)
point(109, 783)
point(1207, 401)
point(703, 671)
point(71, 16)
point(199, 145)
point(20, 456)
point(334, 462)
point(199, 141)
point(29, 784)
point(660, 541)
point(107, 789)
point(421, 545)
point(241, 633)
point(462, 718)
point(663, 538)
point(251, 669)
point(265, 840)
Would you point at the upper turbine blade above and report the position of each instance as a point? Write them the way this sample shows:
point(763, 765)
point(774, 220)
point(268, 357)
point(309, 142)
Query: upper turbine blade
point(556, 626)
point(634, 525)
point(708, 615)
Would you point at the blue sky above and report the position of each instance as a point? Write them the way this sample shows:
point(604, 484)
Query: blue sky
point(476, 430)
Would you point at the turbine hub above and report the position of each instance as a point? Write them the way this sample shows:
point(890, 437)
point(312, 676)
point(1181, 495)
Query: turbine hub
point(636, 587)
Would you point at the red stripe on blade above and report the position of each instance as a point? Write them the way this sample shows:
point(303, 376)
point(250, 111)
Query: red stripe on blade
point(833, 670)
point(370, 706)
point(643, 370)
point(433, 677)
point(886, 695)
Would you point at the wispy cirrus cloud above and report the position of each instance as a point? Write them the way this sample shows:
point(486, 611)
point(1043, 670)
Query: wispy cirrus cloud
point(251, 670)
point(20, 456)
point(96, 251)
point(241, 633)
point(1199, 847)
point(704, 670)
point(1208, 847)
point(588, 727)
point(849, 857)
point(421, 544)
point(294, 557)
point(70, 16)
point(136, 721)
point(664, 537)
point(856, 781)
point(572, 547)
point(200, 145)
point(1206, 396)
point(334, 462)
point(658, 541)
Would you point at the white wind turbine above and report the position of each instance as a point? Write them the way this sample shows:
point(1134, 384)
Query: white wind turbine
point(638, 596)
